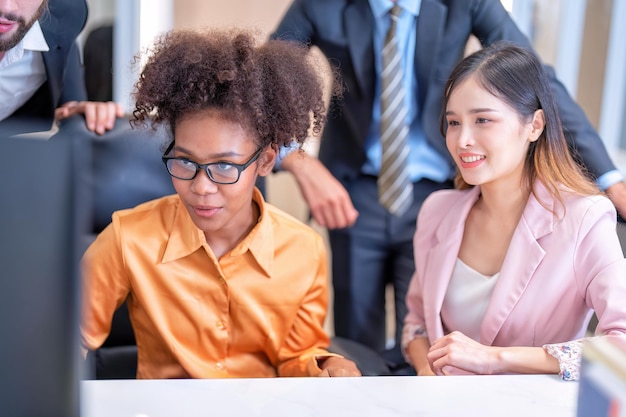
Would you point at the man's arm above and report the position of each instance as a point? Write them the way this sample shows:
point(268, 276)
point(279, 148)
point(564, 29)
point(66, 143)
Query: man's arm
point(328, 200)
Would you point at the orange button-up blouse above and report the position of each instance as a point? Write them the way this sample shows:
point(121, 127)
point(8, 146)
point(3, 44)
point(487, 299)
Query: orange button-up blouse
point(256, 312)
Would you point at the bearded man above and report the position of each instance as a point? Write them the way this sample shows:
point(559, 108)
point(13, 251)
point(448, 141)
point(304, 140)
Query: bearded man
point(41, 76)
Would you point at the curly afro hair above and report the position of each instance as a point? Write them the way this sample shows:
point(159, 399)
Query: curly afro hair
point(271, 88)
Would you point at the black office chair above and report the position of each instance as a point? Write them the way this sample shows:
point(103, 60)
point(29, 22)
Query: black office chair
point(367, 360)
point(126, 171)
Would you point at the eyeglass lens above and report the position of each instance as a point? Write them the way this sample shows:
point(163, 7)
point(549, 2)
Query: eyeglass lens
point(219, 172)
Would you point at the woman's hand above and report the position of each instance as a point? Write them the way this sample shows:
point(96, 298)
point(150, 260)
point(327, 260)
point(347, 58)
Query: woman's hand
point(338, 366)
point(456, 354)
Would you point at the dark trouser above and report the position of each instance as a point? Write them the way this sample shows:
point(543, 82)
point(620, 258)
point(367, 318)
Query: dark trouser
point(376, 251)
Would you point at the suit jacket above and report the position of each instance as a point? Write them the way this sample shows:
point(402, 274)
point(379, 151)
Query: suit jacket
point(556, 269)
point(61, 24)
point(343, 30)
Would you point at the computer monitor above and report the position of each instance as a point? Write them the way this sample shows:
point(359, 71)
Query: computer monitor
point(40, 221)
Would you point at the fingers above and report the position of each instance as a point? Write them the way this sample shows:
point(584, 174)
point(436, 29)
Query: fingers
point(90, 112)
point(441, 354)
point(338, 367)
point(99, 116)
point(335, 213)
point(437, 358)
point(66, 110)
point(459, 354)
point(339, 372)
point(328, 200)
point(330, 204)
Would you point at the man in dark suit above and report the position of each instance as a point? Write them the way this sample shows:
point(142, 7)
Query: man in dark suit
point(370, 246)
point(41, 74)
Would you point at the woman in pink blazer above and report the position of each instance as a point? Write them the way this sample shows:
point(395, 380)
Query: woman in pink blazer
point(511, 265)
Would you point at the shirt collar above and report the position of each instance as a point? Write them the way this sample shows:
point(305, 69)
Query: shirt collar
point(34, 39)
point(185, 238)
point(260, 240)
point(380, 8)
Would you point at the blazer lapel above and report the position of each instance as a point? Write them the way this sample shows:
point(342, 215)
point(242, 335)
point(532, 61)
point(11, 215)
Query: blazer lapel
point(430, 26)
point(522, 259)
point(442, 257)
point(359, 27)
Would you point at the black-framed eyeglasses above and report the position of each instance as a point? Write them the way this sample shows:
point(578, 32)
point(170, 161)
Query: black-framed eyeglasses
point(218, 172)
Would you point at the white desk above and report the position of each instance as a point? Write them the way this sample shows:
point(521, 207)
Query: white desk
point(484, 396)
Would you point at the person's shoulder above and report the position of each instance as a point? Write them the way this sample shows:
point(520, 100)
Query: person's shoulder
point(445, 198)
point(289, 226)
point(64, 16)
point(150, 211)
point(438, 204)
point(596, 204)
point(55, 7)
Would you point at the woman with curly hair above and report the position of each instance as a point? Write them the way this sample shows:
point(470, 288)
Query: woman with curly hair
point(218, 282)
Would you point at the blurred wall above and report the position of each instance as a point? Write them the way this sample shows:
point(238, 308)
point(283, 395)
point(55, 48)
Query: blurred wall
point(263, 15)
point(593, 58)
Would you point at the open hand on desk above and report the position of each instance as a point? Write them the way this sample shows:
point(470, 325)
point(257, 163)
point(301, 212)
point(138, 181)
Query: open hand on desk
point(338, 366)
point(99, 116)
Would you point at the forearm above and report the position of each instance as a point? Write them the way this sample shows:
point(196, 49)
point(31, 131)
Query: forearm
point(524, 360)
point(296, 162)
point(327, 198)
point(417, 350)
point(309, 363)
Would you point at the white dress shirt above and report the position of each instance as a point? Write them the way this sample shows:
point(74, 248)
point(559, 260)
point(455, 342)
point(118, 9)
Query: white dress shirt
point(22, 71)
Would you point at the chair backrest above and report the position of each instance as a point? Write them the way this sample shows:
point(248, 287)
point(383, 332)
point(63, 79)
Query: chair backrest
point(126, 171)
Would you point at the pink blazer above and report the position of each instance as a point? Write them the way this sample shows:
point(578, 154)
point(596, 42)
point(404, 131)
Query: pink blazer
point(554, 273)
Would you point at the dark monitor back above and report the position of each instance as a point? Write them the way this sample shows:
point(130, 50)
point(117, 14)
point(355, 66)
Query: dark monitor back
point(39, 224)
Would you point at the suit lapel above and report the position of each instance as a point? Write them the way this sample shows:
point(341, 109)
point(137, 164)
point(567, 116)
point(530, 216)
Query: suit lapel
point(359, 28)
point(50, 28)
point(430, 26)
point(522, 259)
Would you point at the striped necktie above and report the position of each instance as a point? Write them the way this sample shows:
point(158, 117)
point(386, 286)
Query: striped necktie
point(395, 190)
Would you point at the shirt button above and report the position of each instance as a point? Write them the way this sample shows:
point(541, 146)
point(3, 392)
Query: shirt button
point(219, 366)
point(220, 325)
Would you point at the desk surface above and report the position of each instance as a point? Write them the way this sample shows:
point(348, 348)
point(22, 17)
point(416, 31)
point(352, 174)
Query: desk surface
point(484, 396)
